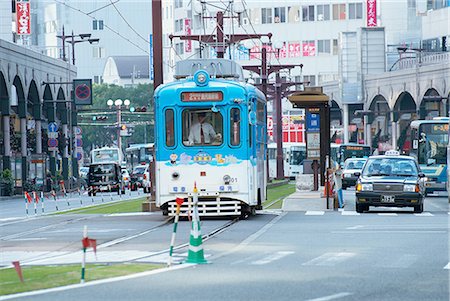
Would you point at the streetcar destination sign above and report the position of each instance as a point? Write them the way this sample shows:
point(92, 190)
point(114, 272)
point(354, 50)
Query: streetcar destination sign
point(202, 96)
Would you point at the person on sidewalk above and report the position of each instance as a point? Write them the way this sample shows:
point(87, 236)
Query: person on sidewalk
point(338, 186)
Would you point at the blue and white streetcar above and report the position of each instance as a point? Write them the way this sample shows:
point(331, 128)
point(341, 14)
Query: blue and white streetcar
point(210, 130)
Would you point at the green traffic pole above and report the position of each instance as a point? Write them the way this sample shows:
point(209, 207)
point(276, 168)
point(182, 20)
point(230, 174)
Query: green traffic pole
point(172, 241)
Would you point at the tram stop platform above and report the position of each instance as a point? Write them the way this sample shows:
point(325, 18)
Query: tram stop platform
point(305, 200)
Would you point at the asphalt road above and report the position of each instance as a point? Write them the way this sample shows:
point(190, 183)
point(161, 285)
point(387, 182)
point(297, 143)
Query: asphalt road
point(385, 254)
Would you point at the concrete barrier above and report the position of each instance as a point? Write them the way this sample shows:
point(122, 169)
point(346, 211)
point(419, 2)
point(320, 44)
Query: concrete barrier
point(304, 182)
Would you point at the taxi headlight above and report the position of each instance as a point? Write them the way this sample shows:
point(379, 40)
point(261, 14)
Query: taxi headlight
point(411, 188)
point(366, 187)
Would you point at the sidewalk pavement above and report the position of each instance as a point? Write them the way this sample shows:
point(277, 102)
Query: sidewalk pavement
point(307, 201)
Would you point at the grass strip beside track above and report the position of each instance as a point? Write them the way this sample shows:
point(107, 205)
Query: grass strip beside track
point(134, 205)
point(278, 193)
point(41, 277)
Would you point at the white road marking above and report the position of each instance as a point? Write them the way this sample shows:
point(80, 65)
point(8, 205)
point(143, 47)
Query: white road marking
point(423, 214)
point(355, 227)
point(132, 214)
point(28, 239)
point(350, 213)
point(447, 267)
point(332, 297)
point(314, 212)
point(330, 259)
point(272, 257)
point(387, 214)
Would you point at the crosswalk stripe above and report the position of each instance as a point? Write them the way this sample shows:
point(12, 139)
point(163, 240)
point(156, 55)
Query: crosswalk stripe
point(330, 259)
point(387, 214)
point(314, 212)
point(272, 257)
point(423, 214)
point(350, 213)
point(447, 267)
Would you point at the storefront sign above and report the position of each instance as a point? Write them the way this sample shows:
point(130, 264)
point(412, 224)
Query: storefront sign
point(371, 13)
point(187, 31)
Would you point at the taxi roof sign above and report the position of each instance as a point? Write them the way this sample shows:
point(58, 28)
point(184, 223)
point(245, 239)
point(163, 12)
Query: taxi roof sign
point(392, 153)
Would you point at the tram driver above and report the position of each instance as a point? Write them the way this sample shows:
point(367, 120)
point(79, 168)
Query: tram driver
point(202, 132)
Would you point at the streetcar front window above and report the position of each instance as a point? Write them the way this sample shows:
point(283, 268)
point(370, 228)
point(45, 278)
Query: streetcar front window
point(202, 127)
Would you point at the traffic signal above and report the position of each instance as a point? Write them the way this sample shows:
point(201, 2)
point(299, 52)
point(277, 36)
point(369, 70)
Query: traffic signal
point(100, 118)
point(141, 109)
point(123, 127)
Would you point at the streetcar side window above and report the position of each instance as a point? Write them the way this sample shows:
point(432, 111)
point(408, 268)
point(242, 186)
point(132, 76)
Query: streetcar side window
point(170, 134)
point(202, 127)
point(235, 127)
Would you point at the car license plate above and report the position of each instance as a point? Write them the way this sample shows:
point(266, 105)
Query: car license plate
point(388, 198)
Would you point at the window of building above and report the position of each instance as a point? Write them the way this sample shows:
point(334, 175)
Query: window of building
point(335, 47)
point(280, 15)
point(339, 12)
point(294, 14)
point(179, 25)
point(355, 11)
point(308, 12)
point(98, 52)
point(266, 15)
point(235, 126)
point(98, 79)
point(323, 47)
point(178, 3)
point(179, 48)
point(323, 12)
point(311, 79)
point(327, 77)
point(97, 24)
point(255, 16)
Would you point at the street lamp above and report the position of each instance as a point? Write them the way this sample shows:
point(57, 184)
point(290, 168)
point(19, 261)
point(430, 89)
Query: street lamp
point(85, 37)
point(118, 104)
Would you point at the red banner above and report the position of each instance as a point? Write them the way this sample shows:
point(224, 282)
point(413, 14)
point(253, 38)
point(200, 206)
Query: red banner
point(371, 13)
point(309, 49)
point(23, 18)
point(294, 50)
point(187, 31)
point(293, 128)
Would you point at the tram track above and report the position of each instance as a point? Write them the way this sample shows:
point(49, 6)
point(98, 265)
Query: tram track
point(115, 241)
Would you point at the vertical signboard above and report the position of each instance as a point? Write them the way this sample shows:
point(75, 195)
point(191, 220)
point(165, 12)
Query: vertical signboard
point(151, 69)
point(23, 18)
point(187, 31)
point(371, 13)
point(313, 133)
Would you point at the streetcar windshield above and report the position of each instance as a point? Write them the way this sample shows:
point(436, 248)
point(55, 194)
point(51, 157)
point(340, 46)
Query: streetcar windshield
point(433, 141)
point(202, 127)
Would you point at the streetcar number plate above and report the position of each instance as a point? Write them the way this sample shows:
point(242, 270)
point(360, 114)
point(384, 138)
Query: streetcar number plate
point(388, 198)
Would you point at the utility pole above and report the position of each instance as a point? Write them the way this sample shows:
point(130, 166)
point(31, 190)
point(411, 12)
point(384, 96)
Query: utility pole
point(157, 43)
point(276, 94)
point(218, 40)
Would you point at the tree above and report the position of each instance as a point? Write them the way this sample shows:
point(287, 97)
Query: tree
point(139, 96)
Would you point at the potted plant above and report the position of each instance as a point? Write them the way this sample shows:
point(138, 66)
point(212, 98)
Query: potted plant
point(6, 183)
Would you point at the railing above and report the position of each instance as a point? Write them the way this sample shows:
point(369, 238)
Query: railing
point(423, 60)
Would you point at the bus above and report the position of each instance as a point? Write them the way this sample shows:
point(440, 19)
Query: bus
point(211, 131)
point(293, 155)
point(107, 154)
point(341, 152)
point(138, 154)
point(430, 139)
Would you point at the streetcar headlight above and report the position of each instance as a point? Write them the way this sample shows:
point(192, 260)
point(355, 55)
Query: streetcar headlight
point(226, 179)
point(201, 78)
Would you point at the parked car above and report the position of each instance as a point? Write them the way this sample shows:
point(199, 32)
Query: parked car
point(351, 166)
point(390, 180)
point(105, 177)
point(140, 177)
point(126, 177)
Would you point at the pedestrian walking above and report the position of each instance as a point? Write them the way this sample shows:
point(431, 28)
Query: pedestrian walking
point(338, 186)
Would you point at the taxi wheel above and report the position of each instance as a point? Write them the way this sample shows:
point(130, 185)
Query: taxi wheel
point(360, 208)
point(418, 208)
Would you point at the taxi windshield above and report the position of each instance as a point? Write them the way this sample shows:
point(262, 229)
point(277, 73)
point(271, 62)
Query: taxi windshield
point(390, 167)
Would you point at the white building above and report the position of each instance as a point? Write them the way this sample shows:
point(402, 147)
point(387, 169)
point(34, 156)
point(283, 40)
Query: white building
point(123, 28)
point(126, 71)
